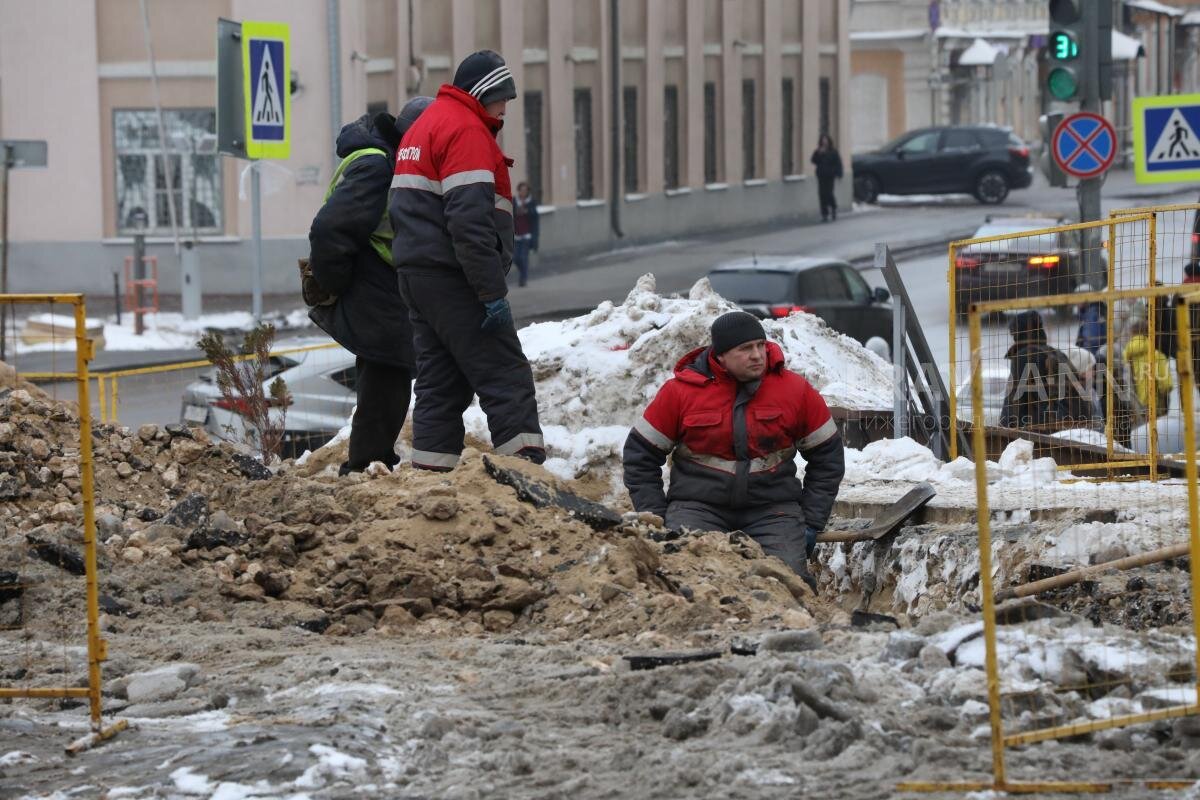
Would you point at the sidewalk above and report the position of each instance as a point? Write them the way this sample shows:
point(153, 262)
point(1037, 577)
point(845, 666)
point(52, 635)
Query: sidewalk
point(564, 286)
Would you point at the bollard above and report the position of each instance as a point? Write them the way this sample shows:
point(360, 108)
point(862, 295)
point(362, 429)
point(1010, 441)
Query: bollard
point(190, 292)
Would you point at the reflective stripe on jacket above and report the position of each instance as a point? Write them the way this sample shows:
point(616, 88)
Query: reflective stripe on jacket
point(735, 444)
point(451, 198)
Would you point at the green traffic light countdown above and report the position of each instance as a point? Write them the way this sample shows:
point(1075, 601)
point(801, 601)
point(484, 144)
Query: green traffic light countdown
point(1063, 47)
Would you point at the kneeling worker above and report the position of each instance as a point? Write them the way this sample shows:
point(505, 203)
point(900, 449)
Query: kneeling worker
point(734, 417)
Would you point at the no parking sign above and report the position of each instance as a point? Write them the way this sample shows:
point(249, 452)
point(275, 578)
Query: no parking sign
point(1084, 145)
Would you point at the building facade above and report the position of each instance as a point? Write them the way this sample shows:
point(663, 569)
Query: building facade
point(939, 62)
point(706, 121)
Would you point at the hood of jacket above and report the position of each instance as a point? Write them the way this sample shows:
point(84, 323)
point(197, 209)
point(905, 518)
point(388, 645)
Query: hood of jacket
point(1137, 347)
point(700, 366)
point(359, 134)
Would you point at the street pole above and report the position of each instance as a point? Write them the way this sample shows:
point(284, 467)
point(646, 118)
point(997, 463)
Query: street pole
point(256, 223)
point(1088, 190)
point(4, 169)
point(139, 276)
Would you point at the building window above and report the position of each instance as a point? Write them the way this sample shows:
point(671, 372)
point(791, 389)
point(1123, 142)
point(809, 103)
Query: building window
point(671, 137)
point(195, 171)
point(710, 132)
point(629, 110)
point(749, 130)
point(825, 104)
point(789, 129)
point(533, 143)
point(584, 186)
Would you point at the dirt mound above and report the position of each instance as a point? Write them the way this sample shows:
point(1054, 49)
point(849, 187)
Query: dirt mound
point(185, 531)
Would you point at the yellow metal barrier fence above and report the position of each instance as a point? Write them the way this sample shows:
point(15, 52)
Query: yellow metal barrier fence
point(97, 650)
point(1088, 670)
point(1014, 271)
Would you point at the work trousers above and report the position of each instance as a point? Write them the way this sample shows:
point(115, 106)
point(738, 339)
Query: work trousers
point(384, 392)
point(456, 360)
point(777, 527)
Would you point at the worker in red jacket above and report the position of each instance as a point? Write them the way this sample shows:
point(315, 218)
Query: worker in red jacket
point(451, 212)
point(734, 418)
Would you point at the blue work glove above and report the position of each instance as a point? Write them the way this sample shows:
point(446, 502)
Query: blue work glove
point(499, 315)
point(810, 540)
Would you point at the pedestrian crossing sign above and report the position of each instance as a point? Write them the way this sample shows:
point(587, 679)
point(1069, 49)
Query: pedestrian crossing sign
point(266, 79)
point(1166, 138)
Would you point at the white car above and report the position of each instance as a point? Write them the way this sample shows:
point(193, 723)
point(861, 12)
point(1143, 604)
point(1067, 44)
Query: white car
point(322, 387)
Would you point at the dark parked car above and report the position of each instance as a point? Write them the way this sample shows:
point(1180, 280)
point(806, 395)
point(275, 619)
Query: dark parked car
point(1023, 266)
point(985, 161)
point(831, 289)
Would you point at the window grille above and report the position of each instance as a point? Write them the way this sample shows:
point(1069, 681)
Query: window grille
point(585, 187)
point(671, 137)
point(141, 181)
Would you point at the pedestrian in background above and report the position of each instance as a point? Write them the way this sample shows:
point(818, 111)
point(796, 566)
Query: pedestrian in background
point(1043, 392)
point(1145, 359)
point(1093, 323)
point(829, 168)
point(351, 260)
point(451, 207)
point(525, 229)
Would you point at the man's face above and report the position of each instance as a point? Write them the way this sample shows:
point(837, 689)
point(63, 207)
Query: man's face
point(746, 362)
point(496, 108)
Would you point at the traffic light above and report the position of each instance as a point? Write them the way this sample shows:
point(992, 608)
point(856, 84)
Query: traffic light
point(1046, 162)
point(1065, 79)
point(1080, 50)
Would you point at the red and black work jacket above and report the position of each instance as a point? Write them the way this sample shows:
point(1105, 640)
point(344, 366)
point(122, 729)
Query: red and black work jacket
point(451, 199)
point(734, 444)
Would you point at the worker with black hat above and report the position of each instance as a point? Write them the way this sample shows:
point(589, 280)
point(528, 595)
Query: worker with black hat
point(733, 419)
point(451, 208)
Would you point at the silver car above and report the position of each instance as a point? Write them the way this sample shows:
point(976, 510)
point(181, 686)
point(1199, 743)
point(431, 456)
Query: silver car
point(321, 383)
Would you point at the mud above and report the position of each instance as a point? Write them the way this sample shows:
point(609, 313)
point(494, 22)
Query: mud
point(410, 634)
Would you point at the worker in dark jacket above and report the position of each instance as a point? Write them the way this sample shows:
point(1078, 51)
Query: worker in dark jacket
point(734, 417)
point(451, 207)
point(350, 245)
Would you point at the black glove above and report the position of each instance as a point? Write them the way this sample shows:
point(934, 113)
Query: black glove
point(499, 316)
point(810, 540)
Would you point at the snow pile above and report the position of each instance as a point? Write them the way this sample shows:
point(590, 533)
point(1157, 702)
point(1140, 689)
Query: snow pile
point(604, 367)
point(596, 373)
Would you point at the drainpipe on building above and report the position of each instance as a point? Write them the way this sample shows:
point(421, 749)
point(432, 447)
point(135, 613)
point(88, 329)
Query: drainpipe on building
point(333, 25)
point(615, 191)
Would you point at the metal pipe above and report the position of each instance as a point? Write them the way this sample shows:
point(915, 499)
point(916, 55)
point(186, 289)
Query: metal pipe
point(333, 26)
point(5, 175)
point(614, 45)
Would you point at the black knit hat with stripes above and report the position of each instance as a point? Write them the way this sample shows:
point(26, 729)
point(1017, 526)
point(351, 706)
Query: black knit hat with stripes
point(484, 76)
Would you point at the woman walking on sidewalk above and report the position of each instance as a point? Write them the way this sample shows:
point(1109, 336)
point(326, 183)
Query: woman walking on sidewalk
point(829, 168)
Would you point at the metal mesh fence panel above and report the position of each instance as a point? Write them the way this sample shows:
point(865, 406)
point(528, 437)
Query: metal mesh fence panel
point(1065, 375)
point(1089, 616)
point(49, 609)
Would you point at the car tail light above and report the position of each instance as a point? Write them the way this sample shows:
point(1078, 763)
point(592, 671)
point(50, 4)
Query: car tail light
point(1195, 239)
point(1045, 262)
point(1019, 152)
point(966, 262)
point(779, 312)
point(240, 406)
